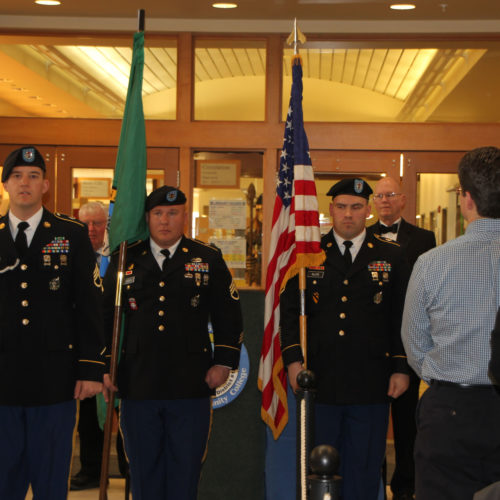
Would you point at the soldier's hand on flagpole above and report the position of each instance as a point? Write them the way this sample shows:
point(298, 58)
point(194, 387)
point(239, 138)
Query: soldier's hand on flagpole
point(217, 375)
point(293, 370)
point(398, 383)
point(108, 387)
point(86, 389)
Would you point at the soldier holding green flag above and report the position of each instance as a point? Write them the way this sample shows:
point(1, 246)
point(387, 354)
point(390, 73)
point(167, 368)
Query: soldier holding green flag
point(168, 369)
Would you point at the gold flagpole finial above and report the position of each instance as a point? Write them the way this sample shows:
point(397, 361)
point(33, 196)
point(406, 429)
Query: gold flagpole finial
point(296, 37)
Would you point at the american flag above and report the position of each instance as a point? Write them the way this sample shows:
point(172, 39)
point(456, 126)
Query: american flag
point(295, 243)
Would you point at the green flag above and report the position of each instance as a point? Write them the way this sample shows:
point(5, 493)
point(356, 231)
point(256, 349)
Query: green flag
point(129, 183)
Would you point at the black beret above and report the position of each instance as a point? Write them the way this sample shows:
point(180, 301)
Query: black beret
point(27, 156)
point(166, 195)
point(352, 186)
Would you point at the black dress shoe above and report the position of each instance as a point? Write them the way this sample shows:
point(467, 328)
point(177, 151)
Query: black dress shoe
point(83, 481)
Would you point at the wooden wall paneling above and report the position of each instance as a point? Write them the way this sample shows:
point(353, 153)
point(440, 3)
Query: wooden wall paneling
point(186, 182)
point(185, 77)
point(274, 75)
point(255, 135)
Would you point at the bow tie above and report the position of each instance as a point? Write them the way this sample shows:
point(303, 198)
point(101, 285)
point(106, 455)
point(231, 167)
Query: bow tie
point(388, 229)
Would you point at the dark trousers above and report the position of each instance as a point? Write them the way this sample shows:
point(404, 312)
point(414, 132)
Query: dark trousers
point(457, 450)
point(91, 441)
point(35, 448)
point(403, 410)
point(359, 434)
point(165, 441)
point(91, 438)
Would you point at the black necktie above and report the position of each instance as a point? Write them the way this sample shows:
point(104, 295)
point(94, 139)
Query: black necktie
point(21, 241)
point(166, 253)
point(388, 229)
point(347, 254)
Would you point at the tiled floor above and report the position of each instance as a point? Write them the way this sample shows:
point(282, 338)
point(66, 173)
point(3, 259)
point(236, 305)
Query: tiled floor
point(116, 488)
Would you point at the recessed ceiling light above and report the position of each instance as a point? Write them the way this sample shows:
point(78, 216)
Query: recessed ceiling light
point(48, 2)
point(225, 5)
point(403, 6)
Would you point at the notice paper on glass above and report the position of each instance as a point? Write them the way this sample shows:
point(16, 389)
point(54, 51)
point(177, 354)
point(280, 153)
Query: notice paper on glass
point(227, 214)
point(233, 250)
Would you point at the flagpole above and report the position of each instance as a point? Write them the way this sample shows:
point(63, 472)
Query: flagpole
point(117, 323)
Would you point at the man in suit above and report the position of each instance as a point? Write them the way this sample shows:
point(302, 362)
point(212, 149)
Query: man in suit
point(169, 369)
point(354, 303)
point(51, 340)
point(94, 215)
point(414, 241)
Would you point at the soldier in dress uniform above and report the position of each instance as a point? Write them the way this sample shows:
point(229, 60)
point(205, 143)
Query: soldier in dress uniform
point(354, 304)
point(51, 338)
point(168, 369)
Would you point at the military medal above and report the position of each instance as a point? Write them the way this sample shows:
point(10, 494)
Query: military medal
point(64, 259)
point(205, 279)
point(374, 275)
point(55, 284)
point(197, 278)
point(378, 298)
point(385, 276)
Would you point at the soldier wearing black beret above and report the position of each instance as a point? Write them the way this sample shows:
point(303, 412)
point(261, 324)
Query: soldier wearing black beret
point(169, 368)
point(51, 339)
point(354, 304)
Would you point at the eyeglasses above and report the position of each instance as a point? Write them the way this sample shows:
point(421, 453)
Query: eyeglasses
point(389, 196)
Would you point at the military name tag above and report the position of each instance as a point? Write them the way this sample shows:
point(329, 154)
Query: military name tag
point(129, 280)
point(377, 298)
point(316, 272)
point(55, 284)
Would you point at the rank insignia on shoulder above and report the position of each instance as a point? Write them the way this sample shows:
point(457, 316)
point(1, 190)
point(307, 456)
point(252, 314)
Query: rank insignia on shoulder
point(97, 277)
point(234, 291)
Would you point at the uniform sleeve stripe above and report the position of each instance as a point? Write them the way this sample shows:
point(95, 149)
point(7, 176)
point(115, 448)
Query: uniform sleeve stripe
point(227, 347)
point(90, 361)
point(289, 347)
